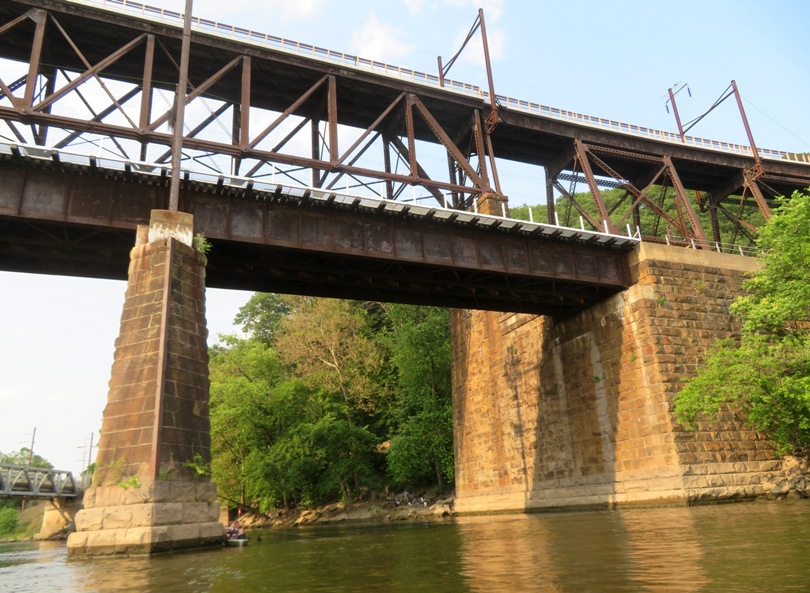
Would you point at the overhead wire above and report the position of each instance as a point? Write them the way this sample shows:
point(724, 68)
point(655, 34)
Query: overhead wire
point(788, 130)
point(723, 96)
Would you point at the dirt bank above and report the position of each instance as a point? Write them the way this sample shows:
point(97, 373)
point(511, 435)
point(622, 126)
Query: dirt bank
point(392, 509)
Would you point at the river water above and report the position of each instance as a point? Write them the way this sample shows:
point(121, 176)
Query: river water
point(752, 547)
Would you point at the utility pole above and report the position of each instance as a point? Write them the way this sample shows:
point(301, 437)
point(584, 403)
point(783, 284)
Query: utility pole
point(30, 459)
point(31, 450)
point(675, 107)
point(747, 127)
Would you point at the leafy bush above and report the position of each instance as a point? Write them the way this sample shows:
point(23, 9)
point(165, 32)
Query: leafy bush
point(764, 378)
point(8, 521)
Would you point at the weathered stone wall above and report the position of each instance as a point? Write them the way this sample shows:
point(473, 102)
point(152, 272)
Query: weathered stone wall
point(579, 412)
point(156, 418)
point(147, 495)
point(152, 517)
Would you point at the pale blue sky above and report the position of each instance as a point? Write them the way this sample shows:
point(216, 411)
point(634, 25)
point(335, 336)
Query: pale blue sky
point(608, 59)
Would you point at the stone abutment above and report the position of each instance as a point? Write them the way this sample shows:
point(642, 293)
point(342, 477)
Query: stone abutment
point(579, 412)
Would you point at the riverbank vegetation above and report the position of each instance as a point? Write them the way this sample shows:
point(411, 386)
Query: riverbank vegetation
point(764, 376)
point(18, 521)
point(323, 400)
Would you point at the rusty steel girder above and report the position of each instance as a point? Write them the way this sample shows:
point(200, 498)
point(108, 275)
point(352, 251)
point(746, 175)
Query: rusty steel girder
point(58, 216)
point(640, 174)
point(81, 77)
point(266, 96)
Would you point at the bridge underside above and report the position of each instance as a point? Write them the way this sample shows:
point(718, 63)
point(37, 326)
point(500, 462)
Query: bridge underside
point(65, 219)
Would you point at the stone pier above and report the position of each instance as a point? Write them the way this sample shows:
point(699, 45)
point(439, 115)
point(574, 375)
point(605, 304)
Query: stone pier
point(579, 412)
point(150, 492)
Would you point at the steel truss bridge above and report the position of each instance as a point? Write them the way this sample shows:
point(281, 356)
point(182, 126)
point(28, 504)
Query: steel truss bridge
point(324, 173)
point(18, 481)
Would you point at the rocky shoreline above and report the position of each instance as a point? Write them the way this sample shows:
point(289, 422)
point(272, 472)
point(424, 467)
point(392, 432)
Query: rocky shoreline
point(387, 510)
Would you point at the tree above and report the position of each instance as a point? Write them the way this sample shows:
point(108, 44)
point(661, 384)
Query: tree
point(261, 316)
point(764, 377)
point(8, 520)
point(243, 374)
point(22, 456)
point(421, 449)
point(301, 407)
point(326, 342)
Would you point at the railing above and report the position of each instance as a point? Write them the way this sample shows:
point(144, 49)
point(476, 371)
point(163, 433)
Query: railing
point(36, 482)
point(352, 61)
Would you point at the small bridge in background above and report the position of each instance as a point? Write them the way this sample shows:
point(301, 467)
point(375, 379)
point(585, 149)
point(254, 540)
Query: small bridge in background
point(24, 481)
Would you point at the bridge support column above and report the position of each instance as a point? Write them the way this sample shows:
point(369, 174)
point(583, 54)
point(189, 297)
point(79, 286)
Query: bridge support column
point(578, 412)
point(148, 494)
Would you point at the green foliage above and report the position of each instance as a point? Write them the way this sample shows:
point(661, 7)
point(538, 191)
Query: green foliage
point(8, 520)
point(130, 482)
point(21, 457)
point(325, 342)
point(302, 408)
point(421, 449)
point(261, 316)
point(538, 213)
point(201, 244)
point(764, 378)
point(422, 452)
point(346, 453)
point(198, 466)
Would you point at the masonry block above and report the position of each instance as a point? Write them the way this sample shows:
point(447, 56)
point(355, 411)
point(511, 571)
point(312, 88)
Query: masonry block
point(579, 411)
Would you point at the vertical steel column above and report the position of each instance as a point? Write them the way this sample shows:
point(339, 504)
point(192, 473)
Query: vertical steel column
point(180, 107)
point(236, 127)
point(315, 150)
point(41, 136)
point(412, 164)
point(240, 132)
point(716, 235)
point(389, 185)
point(146, 91)
point(478, 134)
point(454, 178)
point(334, 154)
point(550, 206)
point(244, 129)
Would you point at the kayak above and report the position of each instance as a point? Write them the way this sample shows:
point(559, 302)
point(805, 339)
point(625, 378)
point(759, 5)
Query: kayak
point(237, 543)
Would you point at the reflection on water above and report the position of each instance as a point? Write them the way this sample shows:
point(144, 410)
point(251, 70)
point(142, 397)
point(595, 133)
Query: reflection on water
point(745, 547)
